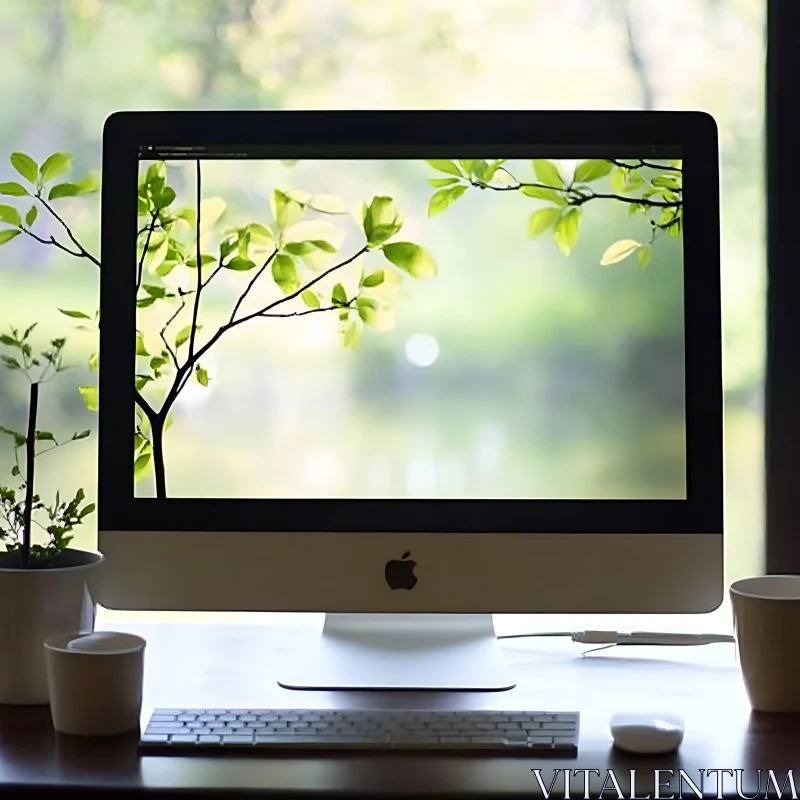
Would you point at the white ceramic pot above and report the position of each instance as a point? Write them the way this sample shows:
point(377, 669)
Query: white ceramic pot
point(34, 605)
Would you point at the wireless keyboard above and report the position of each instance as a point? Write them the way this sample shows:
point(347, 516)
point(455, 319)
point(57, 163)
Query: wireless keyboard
point(183, 731)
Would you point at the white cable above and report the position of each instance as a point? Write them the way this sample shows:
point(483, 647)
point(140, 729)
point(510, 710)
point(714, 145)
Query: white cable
point(635, 638)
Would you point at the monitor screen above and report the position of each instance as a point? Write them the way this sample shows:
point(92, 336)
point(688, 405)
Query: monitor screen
point(490, 328)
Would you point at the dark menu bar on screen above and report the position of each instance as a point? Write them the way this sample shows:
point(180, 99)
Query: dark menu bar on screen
point(172, 152)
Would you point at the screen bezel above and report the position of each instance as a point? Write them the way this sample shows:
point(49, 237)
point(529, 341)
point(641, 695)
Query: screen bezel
point(406, 134)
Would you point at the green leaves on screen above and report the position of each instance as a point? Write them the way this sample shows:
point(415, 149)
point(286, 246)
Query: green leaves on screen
point(444, 198)
point(592, 170)
point(566, 230)
point(25, 166)
point(285, 273)
point(411, 258)
point(382, 221)
point(619, 250)
point(547, 173)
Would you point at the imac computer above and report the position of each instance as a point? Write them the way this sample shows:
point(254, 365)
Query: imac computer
point(411, 369)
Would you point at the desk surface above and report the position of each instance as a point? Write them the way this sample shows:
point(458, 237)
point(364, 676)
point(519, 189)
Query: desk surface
point(200, 665)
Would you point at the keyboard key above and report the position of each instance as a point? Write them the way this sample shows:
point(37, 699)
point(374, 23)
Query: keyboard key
point(322, 741)
point(165, 727)
point(163, 718)
point(187, 717)
point(150, 738)
point(184, 738)
point(233, 738)
point(209, 739)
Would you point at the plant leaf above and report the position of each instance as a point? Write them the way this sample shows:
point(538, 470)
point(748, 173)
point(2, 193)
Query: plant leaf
point(619, 251)
point(374, 279)
point(54, 166)
point(411, 258)
point(547, 173)
point(30, 217)
point(202, 376)
point(286, 209)
point(437, 183)
point(141, 350)
point(445, 165)
point(81, 435)
point(88, 184)
point(542, 193)
point(8, 234)
point(285, 273)
point(592, 169)
point(339, 295)
point(382, 220)
point(183, 335)
point(444, 198)
point(25, 166)
point(542, 220)
point(617, 180)
point(70, 190)
point(44, 436)
point(140, 465)
point(371, 313)
point(10, 215)
point(74, 314)
point(90, 397)
point(205, 258)
point(566, 231)
point(645, 255)
point(239, 264)
point(350, 330)
point(13, 189)
point(310, 299)
point(260, 233)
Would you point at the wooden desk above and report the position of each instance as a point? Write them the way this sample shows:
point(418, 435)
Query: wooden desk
point(203, 665)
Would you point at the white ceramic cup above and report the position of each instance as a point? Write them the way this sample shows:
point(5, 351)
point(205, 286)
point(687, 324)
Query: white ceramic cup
point(766, 615)
point(95, 682)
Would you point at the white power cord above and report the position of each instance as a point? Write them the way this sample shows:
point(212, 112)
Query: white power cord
point(635, 638)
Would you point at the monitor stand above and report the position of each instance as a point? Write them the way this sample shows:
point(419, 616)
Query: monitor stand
point(433, 652)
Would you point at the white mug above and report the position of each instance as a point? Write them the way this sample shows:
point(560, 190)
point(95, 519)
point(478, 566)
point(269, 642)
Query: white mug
point(95, 682)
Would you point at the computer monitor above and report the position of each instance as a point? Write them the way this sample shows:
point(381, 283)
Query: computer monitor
point(439, 364)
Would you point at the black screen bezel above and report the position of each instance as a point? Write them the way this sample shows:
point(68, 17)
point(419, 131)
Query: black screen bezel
point(411, 134)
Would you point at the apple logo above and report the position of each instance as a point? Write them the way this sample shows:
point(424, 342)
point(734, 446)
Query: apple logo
point(400, 572)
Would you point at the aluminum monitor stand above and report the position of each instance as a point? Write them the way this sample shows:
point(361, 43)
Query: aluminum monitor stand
point(436, 652)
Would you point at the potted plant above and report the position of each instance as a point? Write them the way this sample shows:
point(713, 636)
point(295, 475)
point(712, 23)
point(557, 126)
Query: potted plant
point(45, 586)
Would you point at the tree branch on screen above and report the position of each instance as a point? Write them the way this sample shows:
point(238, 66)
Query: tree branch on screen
point(173, 254)
point(651, 189)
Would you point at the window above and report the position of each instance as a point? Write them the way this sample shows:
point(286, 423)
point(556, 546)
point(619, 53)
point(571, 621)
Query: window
point(70, 64)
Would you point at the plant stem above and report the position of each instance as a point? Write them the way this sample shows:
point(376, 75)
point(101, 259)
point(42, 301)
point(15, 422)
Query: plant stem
point(30, 461)
point(157, 428)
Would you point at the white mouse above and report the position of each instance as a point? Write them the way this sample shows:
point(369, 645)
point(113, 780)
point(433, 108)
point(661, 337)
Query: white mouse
point(647, 733)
